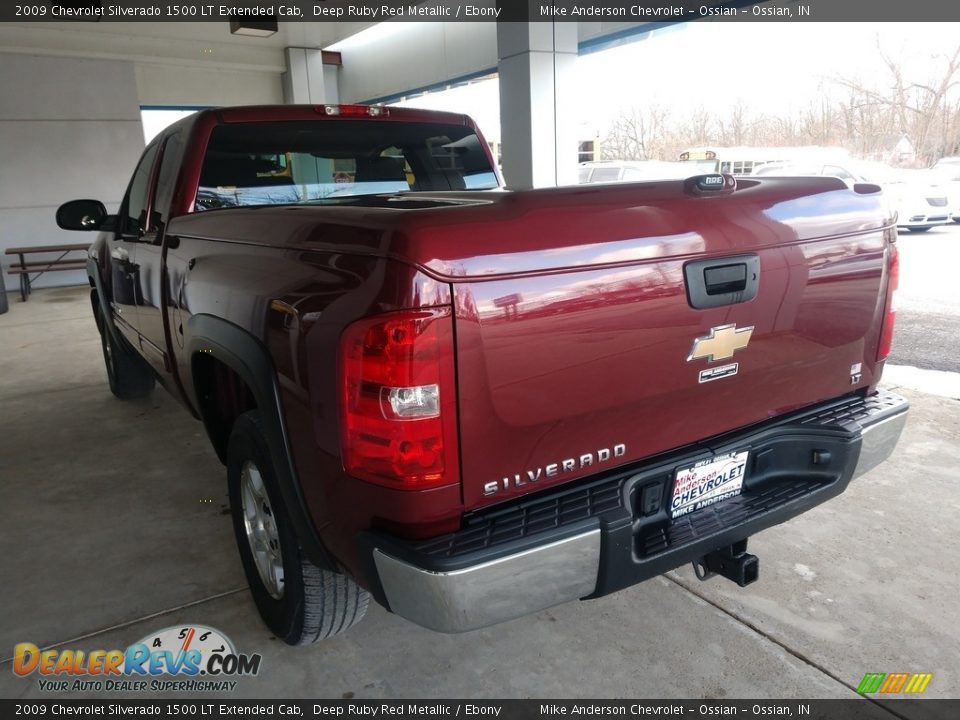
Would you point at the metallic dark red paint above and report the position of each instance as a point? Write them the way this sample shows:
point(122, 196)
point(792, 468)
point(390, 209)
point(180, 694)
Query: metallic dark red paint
point(571, 318)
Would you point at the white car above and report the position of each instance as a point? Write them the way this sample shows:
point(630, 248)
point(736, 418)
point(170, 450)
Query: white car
point(949, 171)
point(801, 169)
point(921, 198)
point(632, 171)
point(949, 164)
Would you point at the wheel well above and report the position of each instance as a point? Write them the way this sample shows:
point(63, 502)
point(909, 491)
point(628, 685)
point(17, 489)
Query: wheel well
point(222, 397)
point(95, 306)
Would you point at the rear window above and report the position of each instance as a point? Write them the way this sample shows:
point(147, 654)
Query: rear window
point(280, 163)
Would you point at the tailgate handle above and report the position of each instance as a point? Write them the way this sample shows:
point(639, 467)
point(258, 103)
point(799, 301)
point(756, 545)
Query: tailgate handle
point(725, 278)
point(725, 281)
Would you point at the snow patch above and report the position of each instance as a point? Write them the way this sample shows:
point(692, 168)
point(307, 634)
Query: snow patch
point(932, 382)
point(804, 572)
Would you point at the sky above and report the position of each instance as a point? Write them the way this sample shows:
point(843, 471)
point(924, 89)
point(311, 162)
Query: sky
point(772, 67)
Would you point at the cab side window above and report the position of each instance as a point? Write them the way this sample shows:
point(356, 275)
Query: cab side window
point(135, 213)
point(167, 178)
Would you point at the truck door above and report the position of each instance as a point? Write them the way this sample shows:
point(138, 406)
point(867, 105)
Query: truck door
point(131, 221)
point(152, 283)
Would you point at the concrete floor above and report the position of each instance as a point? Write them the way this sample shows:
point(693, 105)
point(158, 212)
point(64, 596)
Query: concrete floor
point(928, 302)
point(115, 525)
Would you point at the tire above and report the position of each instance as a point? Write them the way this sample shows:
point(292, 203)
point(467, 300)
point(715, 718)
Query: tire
point(918, 229)
point(3, 293)
point(129, 374)
point(299, 602)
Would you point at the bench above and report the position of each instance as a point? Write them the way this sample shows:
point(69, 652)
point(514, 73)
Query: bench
point(38, 267)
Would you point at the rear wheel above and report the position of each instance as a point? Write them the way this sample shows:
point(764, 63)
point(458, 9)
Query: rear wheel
point(129, 374)
point(300, 602)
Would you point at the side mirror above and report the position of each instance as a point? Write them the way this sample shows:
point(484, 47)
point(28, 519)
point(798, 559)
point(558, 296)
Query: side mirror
point(81, 215)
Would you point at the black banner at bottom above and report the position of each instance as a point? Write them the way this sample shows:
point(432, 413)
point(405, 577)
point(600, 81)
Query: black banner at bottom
point(854, 709)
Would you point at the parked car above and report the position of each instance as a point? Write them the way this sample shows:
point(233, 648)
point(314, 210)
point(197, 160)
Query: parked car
point(949, 175)
point(920, 198)
point(631, 171)
point(473, 405)
point(947, 163)
point(788, 169)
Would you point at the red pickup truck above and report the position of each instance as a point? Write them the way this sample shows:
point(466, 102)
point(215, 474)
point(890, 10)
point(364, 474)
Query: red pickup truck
point(471, 403)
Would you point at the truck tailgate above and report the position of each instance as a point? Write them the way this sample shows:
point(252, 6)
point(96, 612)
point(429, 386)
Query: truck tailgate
point(583, 356)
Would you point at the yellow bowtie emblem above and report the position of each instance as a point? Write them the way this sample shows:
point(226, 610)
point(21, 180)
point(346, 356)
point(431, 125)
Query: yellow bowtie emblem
point(722, 342)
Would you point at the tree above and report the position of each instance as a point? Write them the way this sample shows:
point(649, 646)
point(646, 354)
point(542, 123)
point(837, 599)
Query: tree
point(637, 134)
point(925, 110)
point(736, 128)
point(868, 119)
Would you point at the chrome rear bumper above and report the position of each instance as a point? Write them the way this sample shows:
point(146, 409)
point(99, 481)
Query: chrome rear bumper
point(492, 592)
point(595, 557)
point(878, 439)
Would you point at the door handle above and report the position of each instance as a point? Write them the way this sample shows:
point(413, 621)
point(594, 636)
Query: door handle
point(723, 281)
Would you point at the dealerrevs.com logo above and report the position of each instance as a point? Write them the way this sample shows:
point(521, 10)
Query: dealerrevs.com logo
point(181, 658)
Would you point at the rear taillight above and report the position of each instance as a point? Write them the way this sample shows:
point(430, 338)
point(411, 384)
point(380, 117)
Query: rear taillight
point(398, 407)
point(890, 309)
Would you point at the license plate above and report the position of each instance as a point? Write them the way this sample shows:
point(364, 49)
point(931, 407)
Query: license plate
point(708, 482)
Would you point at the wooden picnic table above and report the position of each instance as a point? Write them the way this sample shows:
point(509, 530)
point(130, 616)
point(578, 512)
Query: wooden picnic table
point(26, 268)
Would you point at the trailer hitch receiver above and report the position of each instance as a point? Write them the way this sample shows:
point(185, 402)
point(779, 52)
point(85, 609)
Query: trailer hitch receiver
point(732, 562)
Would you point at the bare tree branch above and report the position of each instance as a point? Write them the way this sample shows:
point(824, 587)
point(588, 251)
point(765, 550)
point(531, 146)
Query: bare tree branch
point(870, 120)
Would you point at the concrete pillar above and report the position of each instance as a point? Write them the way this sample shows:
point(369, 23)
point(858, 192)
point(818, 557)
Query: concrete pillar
point(303, 82)
point(538, 103)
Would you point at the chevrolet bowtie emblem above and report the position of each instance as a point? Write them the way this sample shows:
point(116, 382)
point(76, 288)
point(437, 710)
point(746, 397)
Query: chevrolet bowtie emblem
point(722, 342)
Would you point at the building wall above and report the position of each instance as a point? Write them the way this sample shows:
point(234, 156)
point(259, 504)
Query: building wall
point(69, 128)
point(413, 55)
point(331, 79)
point(173, 85)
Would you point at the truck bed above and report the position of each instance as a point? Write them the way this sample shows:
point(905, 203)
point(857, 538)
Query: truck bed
point(573, 316)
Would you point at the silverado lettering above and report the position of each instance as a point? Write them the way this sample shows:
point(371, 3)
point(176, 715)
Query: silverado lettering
point(372, 330)
point(554, 469)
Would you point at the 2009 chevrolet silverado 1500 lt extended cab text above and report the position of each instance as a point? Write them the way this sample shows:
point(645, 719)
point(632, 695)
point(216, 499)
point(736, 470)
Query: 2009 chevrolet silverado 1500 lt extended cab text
point(473, 403)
